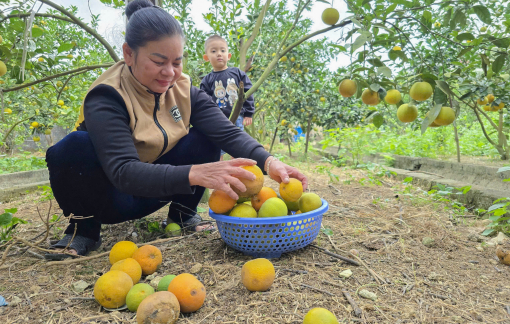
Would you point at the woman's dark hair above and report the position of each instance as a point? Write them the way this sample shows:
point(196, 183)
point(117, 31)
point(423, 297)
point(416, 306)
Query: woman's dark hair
point(147, 22)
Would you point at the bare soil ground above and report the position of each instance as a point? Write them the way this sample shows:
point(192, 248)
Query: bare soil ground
point(452, 280)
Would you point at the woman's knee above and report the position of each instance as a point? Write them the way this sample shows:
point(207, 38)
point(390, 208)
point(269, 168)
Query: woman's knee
point(75, 148)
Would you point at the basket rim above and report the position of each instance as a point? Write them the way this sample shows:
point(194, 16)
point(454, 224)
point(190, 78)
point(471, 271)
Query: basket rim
point(270, 220)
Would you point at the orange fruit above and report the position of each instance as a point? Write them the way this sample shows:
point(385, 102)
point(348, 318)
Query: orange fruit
point(393, 97)
point(421, 91)
point(370, 97)
point(347, 88)
point(482, 102)
point(190, 292)
point(220, 202)
point(490, 98)
point(259, 198)
point(252, 186)
point(122, 250)
point(129, 266)
point(149, 257)
point(111, 289)
point(291, 191)
point(446, 116)
point(407, 113)
point(161, 307)
point(258, 274)
point(320, 316)
point(330, 16)
point(500, 106)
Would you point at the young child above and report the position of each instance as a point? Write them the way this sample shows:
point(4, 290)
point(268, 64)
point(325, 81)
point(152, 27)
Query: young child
point(223, 82)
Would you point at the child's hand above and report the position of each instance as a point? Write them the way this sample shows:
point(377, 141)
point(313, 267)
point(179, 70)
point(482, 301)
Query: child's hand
point(247, 121)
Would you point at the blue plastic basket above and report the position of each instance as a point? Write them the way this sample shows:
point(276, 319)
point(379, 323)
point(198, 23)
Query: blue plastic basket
point(270, 237)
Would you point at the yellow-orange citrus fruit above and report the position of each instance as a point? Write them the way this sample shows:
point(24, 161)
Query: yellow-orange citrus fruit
point(322, 99)
point(220, 202)
point(252, 186)
point(3, 68)
point(397, 48)
point(129, 266)
point(8, 111)
point(501, 105)
point(36, 138)
point(482, 102)
point(347, 88)
point(259, 198)
point(258, 274)
point(407, 113)
point(41, 59)
point(149, 257)
point(283, 59)
point(161, 307)
point(190, 292)
point(490, 98)
point(433, 124)
point(243, 210)
point(309, 201)
point(330, 16)
point(34, 124)
point(487, 108)
point(421, 91)
point(291, 191)
point(393, 97)
point(111, 289)
point(446, 116)
point(122, 250)
point(60, 102)
point(320, 316)
point(370, 97)
point(137, 294)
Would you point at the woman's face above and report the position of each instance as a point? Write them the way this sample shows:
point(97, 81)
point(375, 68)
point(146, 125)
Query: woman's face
point(158, 64)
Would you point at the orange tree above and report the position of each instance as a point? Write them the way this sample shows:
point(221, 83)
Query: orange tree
point(51, 58)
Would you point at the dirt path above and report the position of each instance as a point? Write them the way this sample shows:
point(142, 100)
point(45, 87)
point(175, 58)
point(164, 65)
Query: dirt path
point(452, 280)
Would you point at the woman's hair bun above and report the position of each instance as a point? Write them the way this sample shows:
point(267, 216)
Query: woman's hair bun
point(137, 5)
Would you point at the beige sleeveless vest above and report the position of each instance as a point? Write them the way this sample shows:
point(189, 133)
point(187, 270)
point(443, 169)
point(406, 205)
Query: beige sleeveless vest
point(154, 132)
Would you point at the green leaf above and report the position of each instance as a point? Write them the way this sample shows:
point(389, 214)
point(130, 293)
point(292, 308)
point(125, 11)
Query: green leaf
point(11, 210)
point(393, 55)
point(375, 62)
point(391, 8)
point(327, 231)
point(465, 36)
point(360, 41)
point(65, 47)
point(502, 42)
point(447, 17)
point(427, 15)
point(428, 76)
point(37, 32)
point(378, 120)
point(430, 117)
point(503, 169)
point(464, 51)
point(384, 70)
point(496, 206)
point(444, 86)
point(5, 219)
point(499, 62)
point(459, 18)
point(440, 97)
point(375, 87)
point(500, 212)
point(201, 210)
point(483, 13)
point(488, 231)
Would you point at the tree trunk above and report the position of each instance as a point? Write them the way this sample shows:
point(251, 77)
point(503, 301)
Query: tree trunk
point(290, 151)
point(275, 133)
point(308, 134)
point(456, 140)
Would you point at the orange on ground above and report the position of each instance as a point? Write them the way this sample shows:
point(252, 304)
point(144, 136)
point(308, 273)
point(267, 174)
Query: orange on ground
point(258, 274)
point(252, 186)
point(259, 198)
point(129, 266)
point(370, 97)
point(122, 250)
point(347, 88)
point(190, 292)
point(111, 289)
point(162, 307)
point(320, 316)
point(291, 191)
point(220, 202)
point(149, 257)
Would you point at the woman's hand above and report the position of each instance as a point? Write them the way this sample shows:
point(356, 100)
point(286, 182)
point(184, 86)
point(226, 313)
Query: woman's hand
point(281, 172)
point(219, 175)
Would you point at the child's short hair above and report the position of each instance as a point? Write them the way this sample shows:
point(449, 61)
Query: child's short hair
point(212, 38)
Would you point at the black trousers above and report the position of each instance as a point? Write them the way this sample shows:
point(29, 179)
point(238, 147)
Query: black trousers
point(81, 187)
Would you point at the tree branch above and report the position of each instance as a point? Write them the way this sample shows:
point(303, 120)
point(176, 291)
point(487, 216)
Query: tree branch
point(85, 27)
point(23, 15)
point(271, 65)
point(246, 45)
point(78, 70)
point(483, 128)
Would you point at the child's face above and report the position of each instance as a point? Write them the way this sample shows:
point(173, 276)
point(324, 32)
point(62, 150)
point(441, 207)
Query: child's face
point(217, 53)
